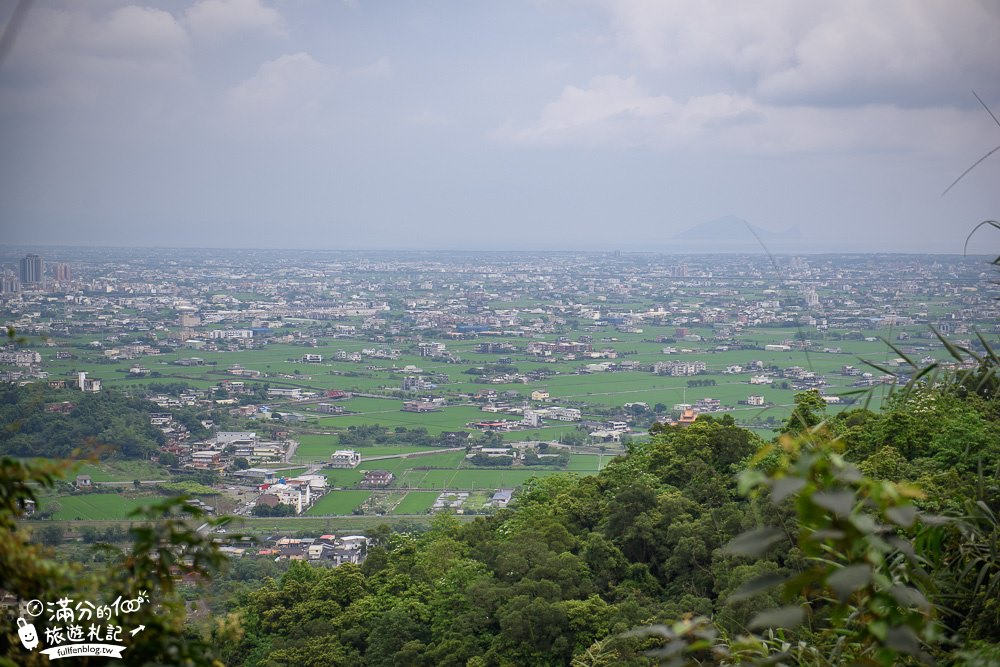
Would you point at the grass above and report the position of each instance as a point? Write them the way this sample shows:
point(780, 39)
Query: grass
point(316, 448)
point(120, 471)
point(416, 502)
point(338, 503)
point(442, 460)
point(588, 462)
point(342, 477)
point(98, 506)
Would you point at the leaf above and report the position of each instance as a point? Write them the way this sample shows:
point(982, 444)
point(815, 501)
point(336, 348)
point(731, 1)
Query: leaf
point(934, 519)
point(951, 348)
point(881, 369)
point(757, 585)
point(903, 639)
point(781, 617)
point(826, 534)
point(650, 630)
point(900, 354)
point(838, 502)
point(904, 515)
point(989, 349)
point(761, 454)
point(849, 579)
point(785, 487)
point(909, 597)
point(910, 491)
point(903, 546)
point(754, 542)
point(748, 480)
point(849, 474)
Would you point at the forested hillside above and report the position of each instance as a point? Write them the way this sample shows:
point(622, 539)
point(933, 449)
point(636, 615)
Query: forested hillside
point(848, 550)
point(108, 423)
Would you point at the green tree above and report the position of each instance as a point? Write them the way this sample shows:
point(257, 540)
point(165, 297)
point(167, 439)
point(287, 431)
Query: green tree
point(809, 411)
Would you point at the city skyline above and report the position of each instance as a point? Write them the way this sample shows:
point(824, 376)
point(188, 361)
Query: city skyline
point(579, 126)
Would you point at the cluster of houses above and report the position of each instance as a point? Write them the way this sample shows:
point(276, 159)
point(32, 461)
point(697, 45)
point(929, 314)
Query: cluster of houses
point(218, 452)
point(325, 549)
point(299, 492)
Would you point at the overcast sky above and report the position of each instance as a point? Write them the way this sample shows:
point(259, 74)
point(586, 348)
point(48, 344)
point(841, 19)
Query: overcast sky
point(547, 124)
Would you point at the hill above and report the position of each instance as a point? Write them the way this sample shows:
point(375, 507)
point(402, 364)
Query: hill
point(733, 234)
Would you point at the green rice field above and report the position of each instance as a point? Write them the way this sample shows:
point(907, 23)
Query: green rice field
point(416, 502)
point(120, 471)
point(338, 502)
point(96, 506)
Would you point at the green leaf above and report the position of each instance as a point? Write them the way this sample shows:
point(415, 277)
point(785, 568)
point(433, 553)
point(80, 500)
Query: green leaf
point(750, 479)
point(864, 523)
point(838, 502)
point(757, 585)
point(903, 639)
point(904, 546)
point(934, 519)
point(907, 596)
point(878, 629)
point(785, 487)
point(781, 617)
point(849, 579)
point(849, 474)
point(951, 348)
point(754, 542)
point(826, 534)
point(903, 515)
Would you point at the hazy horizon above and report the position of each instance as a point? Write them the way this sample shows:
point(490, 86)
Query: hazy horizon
point(578, 125)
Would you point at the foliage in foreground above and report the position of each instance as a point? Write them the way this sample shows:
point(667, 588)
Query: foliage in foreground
point(824, 552)
point(163, 549)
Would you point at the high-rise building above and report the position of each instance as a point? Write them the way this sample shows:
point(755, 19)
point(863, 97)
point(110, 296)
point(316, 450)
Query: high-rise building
point(63, 273)
point(31, 268)
point(9, 283)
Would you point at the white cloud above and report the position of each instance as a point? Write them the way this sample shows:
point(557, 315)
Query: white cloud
point(617, 112)
point(835, 52)
point(912, 52)
point(293, 83)
point(781, 77)
point(376, 70)
point(611, 110)
point(70, 57)
point(219, 19)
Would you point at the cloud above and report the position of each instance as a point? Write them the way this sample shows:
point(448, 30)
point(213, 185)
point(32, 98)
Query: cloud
point(220, 19)
point(379, 69)
point(71, 57)
point(293, 83)
point(610, 110)
point(779, 77)
point(912, 52)
point(616, 112)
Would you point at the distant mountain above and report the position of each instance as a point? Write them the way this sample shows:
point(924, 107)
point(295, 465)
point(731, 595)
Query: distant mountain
point(732, 234)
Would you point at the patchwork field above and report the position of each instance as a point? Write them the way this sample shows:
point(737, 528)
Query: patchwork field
point(318, 448)
point(416, 502)
point(97, 506)
point(338, 503)
point(120, 471)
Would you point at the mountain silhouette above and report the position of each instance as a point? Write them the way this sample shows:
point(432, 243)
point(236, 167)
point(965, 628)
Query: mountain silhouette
point(733, 234)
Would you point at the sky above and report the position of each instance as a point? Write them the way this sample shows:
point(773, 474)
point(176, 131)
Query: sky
point(521, 124)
